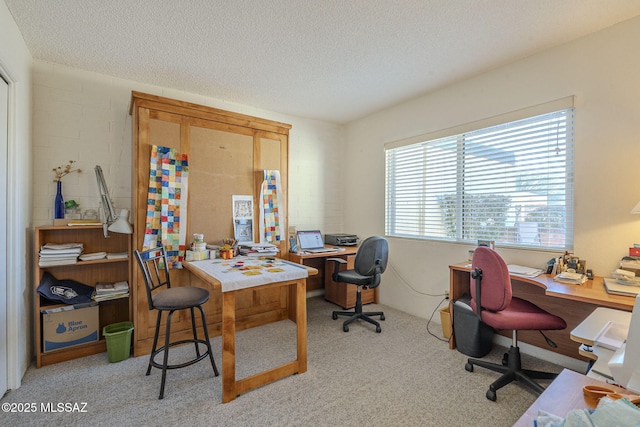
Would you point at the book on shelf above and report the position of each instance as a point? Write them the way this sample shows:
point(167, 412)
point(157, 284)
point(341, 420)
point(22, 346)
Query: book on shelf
point(110, 288)
point(74, 222)
point(56, 262)
point(117, 255)
point(108, 297)
point(61, 246)
point(93, 256)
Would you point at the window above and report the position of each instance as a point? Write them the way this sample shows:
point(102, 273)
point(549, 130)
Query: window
point(509, 181)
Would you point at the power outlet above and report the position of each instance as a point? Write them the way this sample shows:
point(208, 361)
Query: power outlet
point(446, 293)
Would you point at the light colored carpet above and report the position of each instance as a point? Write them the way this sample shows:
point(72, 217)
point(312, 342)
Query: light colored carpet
point(400, 377)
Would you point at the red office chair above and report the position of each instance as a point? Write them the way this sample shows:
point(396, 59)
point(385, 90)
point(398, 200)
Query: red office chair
point(492, 301)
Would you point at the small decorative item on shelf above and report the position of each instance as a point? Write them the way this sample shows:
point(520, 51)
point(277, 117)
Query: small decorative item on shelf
point(60, 172)
point(72, 210)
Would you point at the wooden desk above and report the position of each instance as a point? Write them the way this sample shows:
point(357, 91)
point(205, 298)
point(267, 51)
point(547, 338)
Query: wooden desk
point(563, 395)
point(344, 296)
point(231, 388)
point(571, 302)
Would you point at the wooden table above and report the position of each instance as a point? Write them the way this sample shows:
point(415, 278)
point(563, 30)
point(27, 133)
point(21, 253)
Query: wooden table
point(563, 395)
point(231, 388)
point(571, 302)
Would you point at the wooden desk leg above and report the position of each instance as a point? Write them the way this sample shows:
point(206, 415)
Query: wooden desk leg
point(301, 322)
point(228, 346)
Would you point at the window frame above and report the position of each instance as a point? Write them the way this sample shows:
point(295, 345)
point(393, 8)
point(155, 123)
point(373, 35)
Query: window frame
point(564, 105)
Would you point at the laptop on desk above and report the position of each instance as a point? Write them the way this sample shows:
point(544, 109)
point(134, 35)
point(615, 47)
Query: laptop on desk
point(311, 241)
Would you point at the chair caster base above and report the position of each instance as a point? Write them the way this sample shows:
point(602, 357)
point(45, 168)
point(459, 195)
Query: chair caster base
point(468, 367)
point(491, 395)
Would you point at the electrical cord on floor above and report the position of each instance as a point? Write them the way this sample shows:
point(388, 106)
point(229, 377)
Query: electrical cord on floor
point(431, 317)
point(407, 284)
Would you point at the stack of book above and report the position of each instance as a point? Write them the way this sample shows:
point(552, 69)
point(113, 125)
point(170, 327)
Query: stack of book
point(106, 291)
point(52, 254)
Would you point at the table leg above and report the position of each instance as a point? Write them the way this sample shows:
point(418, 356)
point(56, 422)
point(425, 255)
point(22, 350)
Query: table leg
point(301, 322)
point(228, 346)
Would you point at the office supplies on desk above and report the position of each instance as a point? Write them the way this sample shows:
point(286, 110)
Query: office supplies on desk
point(341, 239)
point(311, 241)
point(571, 278)
point(613, 287)
point(520, 270)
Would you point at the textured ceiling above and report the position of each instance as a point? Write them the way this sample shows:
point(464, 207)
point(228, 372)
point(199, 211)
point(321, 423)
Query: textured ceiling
point(333, 60)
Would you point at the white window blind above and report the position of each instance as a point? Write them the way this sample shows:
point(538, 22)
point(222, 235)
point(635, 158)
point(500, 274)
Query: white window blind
point(510, 182)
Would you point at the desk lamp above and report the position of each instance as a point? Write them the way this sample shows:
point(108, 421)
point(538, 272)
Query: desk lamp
point(111, 222)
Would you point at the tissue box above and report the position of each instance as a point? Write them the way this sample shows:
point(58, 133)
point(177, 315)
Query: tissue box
point(634, 252)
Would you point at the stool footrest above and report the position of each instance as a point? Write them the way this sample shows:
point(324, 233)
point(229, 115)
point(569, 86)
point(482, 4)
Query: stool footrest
point(181, 365)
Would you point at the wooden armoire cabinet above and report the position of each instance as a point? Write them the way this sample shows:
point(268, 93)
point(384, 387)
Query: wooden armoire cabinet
point(227, 154)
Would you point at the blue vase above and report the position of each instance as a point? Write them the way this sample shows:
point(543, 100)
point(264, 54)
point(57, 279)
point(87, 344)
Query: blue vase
point(58, 205)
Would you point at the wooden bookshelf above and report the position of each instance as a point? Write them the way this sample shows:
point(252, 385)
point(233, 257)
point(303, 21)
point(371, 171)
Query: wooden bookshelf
point(88, 273)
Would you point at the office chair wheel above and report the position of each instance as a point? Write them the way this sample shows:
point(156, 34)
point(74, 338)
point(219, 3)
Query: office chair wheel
point(345, 328)
point(378, 328)
point(505, 359)
point(491, 395)
point(334, 316)
point(468, 367)
point(381, 318)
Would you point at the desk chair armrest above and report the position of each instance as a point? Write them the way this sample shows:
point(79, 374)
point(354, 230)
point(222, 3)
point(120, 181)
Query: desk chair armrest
point(336, 269)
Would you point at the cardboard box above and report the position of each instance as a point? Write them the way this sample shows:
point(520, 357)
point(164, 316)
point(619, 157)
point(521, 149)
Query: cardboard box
point(70, 327)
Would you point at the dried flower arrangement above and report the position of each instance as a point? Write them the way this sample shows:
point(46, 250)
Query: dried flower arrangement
point(61, 171)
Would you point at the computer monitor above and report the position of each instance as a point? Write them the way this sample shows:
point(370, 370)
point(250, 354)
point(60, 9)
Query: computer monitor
point(625, 362)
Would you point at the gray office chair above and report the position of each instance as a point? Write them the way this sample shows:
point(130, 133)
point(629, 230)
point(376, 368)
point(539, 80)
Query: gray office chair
point(153, 264)
point(370, 263)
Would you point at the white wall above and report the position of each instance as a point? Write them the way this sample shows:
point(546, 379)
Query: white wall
point(602, 70)
point(84, 116)
point(15, 63)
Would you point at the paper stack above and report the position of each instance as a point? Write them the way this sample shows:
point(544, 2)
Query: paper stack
point(52, 254)
point(257, 249)
point(93, 256)
point(571, 278)
point(519, 270)
point(106, 291)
